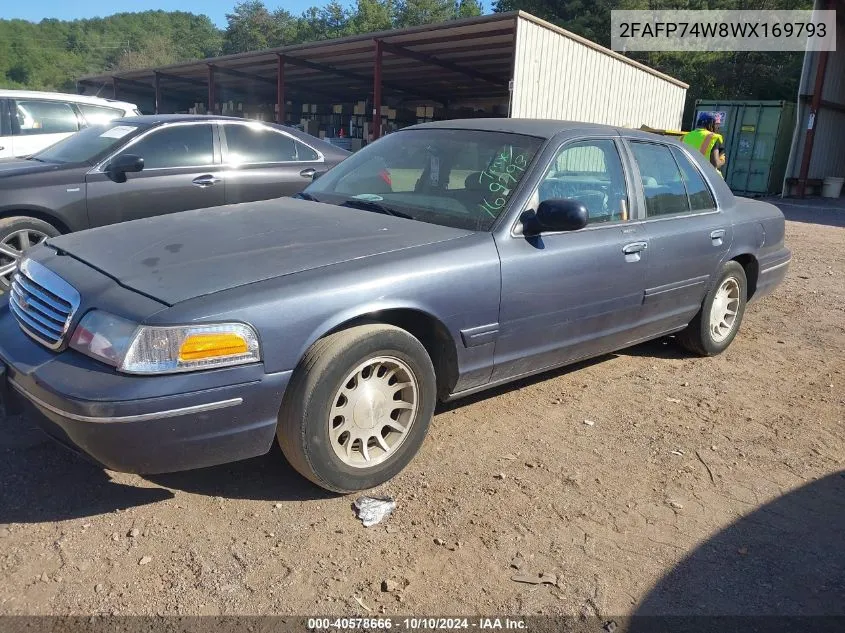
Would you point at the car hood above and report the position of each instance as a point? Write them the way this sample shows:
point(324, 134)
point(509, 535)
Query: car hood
point(178, 257)
point(12, 167)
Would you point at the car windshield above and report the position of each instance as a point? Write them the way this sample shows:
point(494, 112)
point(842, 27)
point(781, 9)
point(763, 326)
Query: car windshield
point(457, 178)
point(89, 144)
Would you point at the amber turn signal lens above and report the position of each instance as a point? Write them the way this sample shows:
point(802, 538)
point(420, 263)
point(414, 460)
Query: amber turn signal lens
point(202, 346)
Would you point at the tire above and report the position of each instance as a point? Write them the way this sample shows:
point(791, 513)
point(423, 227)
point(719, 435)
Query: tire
point(322, 394)
point(702, 336)
point(12, 232)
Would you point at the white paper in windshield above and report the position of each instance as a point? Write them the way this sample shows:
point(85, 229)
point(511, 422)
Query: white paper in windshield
point(119, 131)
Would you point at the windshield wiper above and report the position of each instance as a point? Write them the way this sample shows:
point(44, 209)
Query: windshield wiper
point(368, 205)
point(305, 196)
point(40, 160)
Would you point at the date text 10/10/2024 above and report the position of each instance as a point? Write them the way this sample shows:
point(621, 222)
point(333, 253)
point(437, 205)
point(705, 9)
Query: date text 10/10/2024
point(370, 624)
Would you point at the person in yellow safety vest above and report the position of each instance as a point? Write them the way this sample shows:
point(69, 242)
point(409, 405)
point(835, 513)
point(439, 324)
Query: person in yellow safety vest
point(705, 138)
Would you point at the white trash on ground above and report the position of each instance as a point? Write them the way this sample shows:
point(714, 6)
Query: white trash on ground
point(373, 510)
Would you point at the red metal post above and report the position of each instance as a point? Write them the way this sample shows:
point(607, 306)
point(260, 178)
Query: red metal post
point(377, 92)
point(158, 93)
point(212, 96)
point(280, 89)
point(815, 103)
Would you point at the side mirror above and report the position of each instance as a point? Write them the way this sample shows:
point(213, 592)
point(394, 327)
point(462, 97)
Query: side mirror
point(562, 215)
point(123, 164)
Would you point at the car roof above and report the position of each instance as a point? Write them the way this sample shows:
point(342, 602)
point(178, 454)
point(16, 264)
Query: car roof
point(153, 119)
point(543, 128)
point(65, 96)
point(160, 119)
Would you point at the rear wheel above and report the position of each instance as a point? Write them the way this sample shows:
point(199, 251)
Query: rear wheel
point(358, 407)
point(17, 235)
point(717, 323)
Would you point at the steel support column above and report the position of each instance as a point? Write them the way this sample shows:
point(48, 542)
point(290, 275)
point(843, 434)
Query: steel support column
point(212, 96)
point(377, 91)
point(280, 89)
point(158, 93)
point(821, 69)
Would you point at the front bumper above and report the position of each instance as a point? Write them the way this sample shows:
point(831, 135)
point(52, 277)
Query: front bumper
point(140, 424)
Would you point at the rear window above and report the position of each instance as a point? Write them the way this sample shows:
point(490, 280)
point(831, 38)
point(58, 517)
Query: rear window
point(98, 115)
point(33, 117)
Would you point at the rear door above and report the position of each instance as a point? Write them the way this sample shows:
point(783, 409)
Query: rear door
point(38, 123)
point(181, 172)
point(688, 235)
point(264, 162)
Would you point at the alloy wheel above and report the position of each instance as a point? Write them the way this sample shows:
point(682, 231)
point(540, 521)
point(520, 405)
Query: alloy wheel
point(12, 248)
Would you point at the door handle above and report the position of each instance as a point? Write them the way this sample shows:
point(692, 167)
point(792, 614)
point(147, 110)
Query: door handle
point(308, 172)
point(205, 181)
point(717, 234)
point(2, 147)
point(634, 247)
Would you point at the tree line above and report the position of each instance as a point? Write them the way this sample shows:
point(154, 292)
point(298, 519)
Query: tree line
point(51, 54)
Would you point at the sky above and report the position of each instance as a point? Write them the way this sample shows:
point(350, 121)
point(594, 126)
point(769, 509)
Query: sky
point(74, 9)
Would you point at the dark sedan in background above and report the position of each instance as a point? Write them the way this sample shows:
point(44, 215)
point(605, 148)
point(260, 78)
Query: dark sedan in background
point(143, 166)
point(436, 262)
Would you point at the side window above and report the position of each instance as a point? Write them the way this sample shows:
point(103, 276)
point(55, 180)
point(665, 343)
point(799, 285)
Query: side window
point(44, 117)
point(700, 198)
point(303, 152)
point(591, 173)
point(176, 146)
point(5, 120)
point(97, 115)
point(253, 144)
point(663, 184)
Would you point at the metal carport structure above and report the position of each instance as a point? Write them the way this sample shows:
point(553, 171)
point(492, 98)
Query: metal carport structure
point(469, 62)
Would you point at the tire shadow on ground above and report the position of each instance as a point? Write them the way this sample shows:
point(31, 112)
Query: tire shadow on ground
point(265, 478)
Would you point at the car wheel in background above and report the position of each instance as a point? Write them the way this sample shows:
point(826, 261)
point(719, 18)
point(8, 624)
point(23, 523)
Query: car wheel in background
point(717, 323)
point(358, 407)
point(18, 234)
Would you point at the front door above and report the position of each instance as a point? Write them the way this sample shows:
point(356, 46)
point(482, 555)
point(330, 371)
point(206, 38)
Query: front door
point(180, 173)
point(688, 235)
point(264, 163)
point(571, 295)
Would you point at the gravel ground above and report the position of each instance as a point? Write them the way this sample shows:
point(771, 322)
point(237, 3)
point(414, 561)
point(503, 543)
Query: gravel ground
point(645, 481)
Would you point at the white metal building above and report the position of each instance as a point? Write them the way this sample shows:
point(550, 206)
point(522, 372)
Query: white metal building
point(505, 64)
point(560, 75)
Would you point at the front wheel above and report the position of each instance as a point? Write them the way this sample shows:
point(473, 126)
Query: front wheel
point(717, 323)
point(17, 235)
point(358, 407)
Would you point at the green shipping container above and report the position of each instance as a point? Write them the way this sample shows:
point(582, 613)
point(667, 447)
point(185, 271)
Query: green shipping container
point(758, 135)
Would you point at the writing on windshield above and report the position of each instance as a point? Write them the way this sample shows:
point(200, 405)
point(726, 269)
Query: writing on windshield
point(501, 177)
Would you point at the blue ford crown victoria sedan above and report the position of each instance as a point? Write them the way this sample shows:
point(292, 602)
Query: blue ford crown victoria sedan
point(442, 260)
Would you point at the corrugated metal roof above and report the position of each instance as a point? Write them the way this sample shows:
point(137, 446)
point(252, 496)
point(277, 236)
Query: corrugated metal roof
point(483, 45)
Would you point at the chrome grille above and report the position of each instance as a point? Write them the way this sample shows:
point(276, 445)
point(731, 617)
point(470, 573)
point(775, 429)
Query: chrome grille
point(43, 303)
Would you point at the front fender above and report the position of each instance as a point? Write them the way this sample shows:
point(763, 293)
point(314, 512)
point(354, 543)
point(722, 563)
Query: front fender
point(456, 282)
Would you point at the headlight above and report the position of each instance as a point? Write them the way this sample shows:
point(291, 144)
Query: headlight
point(143, 349)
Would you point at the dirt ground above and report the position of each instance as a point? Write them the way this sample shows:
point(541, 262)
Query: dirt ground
point(647, 481)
